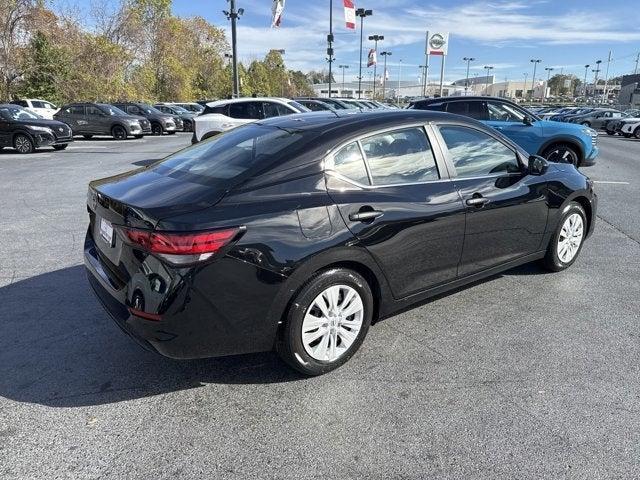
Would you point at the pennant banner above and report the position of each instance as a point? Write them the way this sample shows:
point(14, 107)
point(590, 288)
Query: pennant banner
point(350, 14)
point(276, 9)
point(372, 59)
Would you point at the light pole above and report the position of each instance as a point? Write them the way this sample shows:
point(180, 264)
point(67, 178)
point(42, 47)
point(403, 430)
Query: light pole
point(376, 39)
point(586, 69)
point(549, 70)
point(595, 81)
point(361, 12)
point(234, 15)
point(488, 69)
point(330, 43)
point(399, 78)
point(466, 84)
point(535, 62)
point(384, 74)
point(342, 67)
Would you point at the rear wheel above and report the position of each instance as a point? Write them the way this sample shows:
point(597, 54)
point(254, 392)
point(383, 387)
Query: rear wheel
point(60, 147)
point(327, 322)
point(119, 133)
point(23, 144)
point(562, 153)
point(156, 129)
point(566, 243)
point(636, 133)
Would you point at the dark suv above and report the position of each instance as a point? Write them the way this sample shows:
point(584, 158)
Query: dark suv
point(25, 131)
point(160, 122)
point(556, 141)
point(89, 119)
point(183, 118)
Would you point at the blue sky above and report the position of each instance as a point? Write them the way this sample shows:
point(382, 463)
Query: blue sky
point(506, 34)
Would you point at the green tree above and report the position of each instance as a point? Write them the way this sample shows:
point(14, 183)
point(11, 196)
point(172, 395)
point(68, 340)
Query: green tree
point(45, 68)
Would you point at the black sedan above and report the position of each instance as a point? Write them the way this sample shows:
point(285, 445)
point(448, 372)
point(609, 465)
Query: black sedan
point(296, 233)
point(25, 131)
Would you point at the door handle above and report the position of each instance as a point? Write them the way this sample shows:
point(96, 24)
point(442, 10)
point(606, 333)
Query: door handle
point(477, 201)
point(365, 215)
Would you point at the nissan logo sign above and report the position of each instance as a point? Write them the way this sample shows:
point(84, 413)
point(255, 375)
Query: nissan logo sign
point(437, 41)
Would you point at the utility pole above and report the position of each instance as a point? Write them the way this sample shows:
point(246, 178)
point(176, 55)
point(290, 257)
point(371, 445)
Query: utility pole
point(361, 12)
point(423, 73)
point(330, 43)
point(595, 81)
point(384, 74)
point(343, 67)
point(549, 70)
point(486, 82)
point(586, 69)
point(635, 72)
point(535, 62)
point(376, 39)
point(606, 79)
point(466, 84)
point(234, 15)
point(425, 85)
point(399, 78)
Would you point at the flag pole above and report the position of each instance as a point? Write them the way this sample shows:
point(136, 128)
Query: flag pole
point(330, 42)
point(442, 74)
point(426, 68)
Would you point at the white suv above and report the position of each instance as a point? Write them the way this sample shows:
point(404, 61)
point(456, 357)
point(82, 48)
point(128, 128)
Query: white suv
point(630, 127)
point(226, 114)
point(41, 107)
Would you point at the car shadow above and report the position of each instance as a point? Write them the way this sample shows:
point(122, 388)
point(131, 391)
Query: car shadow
point(59, 348)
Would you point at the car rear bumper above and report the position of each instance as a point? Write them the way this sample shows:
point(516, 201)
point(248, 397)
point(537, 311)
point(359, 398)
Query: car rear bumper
point(221, 310)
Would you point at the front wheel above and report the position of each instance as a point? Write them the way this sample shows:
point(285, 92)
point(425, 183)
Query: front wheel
point(23, 144)
point(156, 129)
point(636, 133)
point(327, 322)
point(566, 243)
point(119, 133)
point(562, 153)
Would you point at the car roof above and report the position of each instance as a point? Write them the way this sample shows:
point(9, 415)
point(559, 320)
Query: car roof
point(227, 101)
point(460, 97)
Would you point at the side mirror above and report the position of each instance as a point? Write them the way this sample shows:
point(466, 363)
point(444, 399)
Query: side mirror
point(527, 120)
point(537, 165)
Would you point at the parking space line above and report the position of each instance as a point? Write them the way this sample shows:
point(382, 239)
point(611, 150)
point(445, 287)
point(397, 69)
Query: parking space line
point(610, 182)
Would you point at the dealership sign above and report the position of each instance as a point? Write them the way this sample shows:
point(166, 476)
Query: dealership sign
point(437, 43)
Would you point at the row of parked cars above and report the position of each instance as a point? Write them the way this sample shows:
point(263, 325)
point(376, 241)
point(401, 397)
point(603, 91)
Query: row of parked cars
point(29, 124)
point(611, 120)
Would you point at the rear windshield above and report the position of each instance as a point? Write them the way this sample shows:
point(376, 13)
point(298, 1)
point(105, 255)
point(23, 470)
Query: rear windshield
point(235, 154)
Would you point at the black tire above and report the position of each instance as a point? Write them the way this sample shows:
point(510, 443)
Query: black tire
point(626, 135)
point(60, 147)
point(23, 144)
point(551, 260)
point(636, 133)
point(562, 153)
point(119, 132)
point(87, 137)
point(290, 346)
point(172, 133)
point(156, 129)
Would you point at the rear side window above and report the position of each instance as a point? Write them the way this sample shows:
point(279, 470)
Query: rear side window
point(476, 154)
point(91, 110)
point(275, 110)
point(76, 110)
point(349, 162)
point(401, 156)
point(236, 153)
point(473, 109)
point(221, 110)
point(246, 110)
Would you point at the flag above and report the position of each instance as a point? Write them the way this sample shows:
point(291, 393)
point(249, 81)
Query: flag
point(372, 60)
point(276, 9)
point(350, 14)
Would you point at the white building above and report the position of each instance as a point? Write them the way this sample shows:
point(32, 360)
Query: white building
point(392, 89)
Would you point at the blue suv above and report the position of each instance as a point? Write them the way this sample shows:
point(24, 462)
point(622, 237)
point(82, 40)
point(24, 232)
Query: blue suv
point(556, 141)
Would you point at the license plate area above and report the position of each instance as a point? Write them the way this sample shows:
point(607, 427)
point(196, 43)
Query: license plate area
point(106, 232)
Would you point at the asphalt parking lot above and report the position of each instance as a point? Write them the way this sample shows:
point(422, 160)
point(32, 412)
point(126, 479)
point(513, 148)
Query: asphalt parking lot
point(524, 375)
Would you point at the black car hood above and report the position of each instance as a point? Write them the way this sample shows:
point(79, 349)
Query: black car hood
point(157, 195)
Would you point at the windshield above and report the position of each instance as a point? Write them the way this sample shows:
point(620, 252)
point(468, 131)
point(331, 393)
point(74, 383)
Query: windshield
point(234, 154)
point(178, 109)
point(17, 113)
point(299, 106)
point(111, 110)
point(148, 109)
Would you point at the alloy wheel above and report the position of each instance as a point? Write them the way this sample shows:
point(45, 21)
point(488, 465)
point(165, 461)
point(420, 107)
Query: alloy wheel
point(22, 144)
point(562, 154)
point(119, 133)
point(570, 238)
point(332, 322)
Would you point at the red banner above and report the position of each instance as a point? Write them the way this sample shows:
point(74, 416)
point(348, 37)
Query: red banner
point(350, 14)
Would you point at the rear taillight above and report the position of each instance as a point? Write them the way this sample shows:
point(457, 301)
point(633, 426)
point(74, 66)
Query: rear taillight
point(183, 248)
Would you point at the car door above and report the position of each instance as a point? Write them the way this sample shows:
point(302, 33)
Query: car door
point(506, 209)
point(75, 117)
point(98, 121)
point(5, 128)
point(395, 196)
point(515, 124)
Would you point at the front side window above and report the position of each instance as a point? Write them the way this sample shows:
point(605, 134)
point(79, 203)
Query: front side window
point(503, 112)
point(401, 156)
point(275, 110)
point(349, 162)
point(476, 154)
point(95, 111)
point(246, 110)
point(75, 110)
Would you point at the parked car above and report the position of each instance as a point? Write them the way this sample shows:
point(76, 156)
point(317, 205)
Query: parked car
point(41, 107)
point(630, 127)
point(191, 107)
point(160, 122)
point(89, 119)
point(296, 233)
point(226, 114)
point(25, 131)
point(182, 117)
point(564, 117)
point(315, 105)
point(614, 126)
point(334, 102)
point(596, 118)
point(562, 142)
